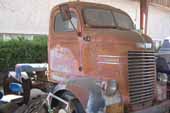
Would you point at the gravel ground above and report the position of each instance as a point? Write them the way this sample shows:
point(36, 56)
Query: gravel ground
point(34, 106)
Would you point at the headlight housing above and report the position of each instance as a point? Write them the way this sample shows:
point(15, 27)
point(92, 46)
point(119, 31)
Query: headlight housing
point(110, 91)
point(109, 87)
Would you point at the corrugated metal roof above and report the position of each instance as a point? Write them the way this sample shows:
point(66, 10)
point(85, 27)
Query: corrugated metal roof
point(165, 3)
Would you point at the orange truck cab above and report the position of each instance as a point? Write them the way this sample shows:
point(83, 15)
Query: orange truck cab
point(100, 63)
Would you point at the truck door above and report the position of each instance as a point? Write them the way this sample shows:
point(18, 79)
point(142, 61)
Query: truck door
point(64, 47)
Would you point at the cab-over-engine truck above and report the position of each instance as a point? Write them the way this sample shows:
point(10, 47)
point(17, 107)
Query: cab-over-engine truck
point(101, 64)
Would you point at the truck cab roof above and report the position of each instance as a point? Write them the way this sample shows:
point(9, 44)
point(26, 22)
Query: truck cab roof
point(88, 4)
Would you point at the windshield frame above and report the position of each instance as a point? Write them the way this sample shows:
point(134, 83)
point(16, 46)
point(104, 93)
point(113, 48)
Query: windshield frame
point(114, 20)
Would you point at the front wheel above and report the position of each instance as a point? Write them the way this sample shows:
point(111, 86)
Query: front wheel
point(74, 105)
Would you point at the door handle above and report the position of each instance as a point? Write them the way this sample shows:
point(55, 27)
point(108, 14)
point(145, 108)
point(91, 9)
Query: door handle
point(87, 38)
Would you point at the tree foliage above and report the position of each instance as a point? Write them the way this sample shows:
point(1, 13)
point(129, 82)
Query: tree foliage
point(22, 51)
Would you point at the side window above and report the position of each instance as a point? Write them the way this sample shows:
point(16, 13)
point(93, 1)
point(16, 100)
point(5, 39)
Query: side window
point(65, 26)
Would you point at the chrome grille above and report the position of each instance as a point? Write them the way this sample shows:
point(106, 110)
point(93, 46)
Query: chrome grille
point(141, 77)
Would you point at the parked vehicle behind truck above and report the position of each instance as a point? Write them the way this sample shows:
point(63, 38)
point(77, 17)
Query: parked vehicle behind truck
point(163, 64)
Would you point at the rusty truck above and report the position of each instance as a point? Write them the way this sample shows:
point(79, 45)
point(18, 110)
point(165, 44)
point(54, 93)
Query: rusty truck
point(100, 63)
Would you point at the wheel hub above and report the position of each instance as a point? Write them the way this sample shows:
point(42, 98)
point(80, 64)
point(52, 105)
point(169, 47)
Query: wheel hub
point(62, 111)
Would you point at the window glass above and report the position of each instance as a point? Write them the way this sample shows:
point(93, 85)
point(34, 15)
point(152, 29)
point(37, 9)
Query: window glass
point(99, 17)
point(123, 20)
point(65, 26)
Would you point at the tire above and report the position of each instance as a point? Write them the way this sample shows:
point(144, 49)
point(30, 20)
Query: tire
point(26, 84)
point(6, 83)
point(75, 105)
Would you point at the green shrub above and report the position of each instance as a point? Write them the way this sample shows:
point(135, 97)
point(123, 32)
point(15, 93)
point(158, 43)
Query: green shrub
point(22, 51)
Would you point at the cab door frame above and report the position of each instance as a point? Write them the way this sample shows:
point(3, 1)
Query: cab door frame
point(68, 43)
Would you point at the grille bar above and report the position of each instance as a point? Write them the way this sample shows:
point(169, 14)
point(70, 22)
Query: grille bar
point(141, 70)
point(141, 76)
point(136, 87)
point(141, 66)
point(147, 91)
point(142, 101)
point(142, 97)
point(147, 79)
point(142, 63)
point(142, 73)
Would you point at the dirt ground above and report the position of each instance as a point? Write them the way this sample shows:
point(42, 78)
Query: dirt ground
point(35, 104)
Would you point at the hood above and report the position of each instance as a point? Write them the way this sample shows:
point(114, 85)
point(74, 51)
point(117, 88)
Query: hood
point(121, 37)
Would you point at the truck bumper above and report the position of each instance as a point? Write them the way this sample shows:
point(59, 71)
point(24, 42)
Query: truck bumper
point(164, 107)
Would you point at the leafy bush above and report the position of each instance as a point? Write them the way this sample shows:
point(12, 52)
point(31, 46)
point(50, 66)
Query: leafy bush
point(22, 51)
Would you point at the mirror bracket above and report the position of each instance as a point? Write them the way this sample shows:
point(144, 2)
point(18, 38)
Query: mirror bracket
point(65, 12)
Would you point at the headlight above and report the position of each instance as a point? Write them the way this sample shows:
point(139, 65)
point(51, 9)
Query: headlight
point(162, 78)
point(110, 91)
point(144, 45)
point(109, 87)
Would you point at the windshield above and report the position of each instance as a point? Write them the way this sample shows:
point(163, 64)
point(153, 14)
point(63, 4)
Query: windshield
point(99, 17)
point(95, 17)
point(123, 20)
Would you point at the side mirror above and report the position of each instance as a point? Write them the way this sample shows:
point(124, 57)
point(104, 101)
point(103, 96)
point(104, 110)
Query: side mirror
point(65, 12)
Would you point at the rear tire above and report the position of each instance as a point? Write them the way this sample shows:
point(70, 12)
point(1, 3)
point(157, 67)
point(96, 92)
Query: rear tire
point(26, 84)
point(6, 82)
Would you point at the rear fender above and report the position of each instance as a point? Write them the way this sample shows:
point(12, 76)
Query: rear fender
point(86, 91)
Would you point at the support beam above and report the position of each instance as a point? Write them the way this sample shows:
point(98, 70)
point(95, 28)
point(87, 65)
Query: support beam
point(143, 15)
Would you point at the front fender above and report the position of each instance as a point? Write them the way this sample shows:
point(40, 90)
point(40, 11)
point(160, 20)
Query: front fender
point(86, 91)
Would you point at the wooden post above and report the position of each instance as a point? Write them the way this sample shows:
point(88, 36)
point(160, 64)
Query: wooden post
point(143, 15)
